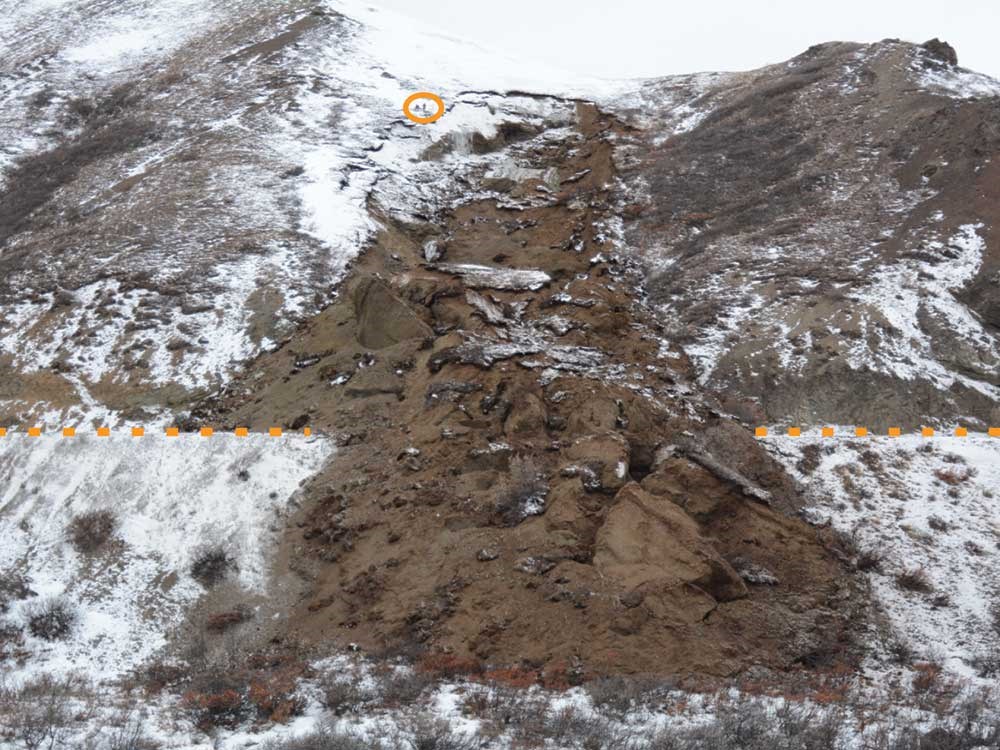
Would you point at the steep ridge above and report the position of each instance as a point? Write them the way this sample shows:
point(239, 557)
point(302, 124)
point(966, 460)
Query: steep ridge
point(821, 234)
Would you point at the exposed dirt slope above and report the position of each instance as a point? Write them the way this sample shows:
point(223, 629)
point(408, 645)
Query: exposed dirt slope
point(525, 475)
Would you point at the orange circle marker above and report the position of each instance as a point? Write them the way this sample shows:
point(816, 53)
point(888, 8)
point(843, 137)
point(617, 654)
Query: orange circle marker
point(423, 95)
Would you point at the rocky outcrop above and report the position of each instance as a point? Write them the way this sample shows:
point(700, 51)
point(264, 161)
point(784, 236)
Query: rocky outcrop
point(940, 51)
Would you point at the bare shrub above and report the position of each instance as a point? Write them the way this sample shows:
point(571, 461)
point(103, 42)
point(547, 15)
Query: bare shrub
point(425, 732)
point(52, 619)
point(914, 579)
point(926, 676)
point(954, 476)
point(522, 493)
point(344, 693)
point(11, 641)
point(569, 727)
point(225, 686)
point(129, 734)
point(748, 723)
point(938, 524)
point(326, 738)
point(211, 565)
point(13, 587)
point(870, 561)
point(39, 713)
point(503, 706)
point(619, 695)
point(90, 531)
point(222, 621)
point(403, 687)
point(810, 460)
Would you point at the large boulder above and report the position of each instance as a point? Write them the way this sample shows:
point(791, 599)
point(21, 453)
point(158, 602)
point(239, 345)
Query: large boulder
point(601, 461)
point(689, 485)
point(383, 318)
point(648, 546)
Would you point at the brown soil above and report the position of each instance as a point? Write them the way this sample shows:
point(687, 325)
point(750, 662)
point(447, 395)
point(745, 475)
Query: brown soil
point(668, 542)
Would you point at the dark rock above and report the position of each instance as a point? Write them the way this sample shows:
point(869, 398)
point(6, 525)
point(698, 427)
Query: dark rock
point(940, 51)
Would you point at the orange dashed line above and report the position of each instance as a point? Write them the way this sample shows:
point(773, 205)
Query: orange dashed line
point(34, 432)
point(760, 432)
point(206, 431)
point(138, 431)
point(961, 432)
point(242, 432)
point(103, 432)
point(69, 432)
point(274, 432)
point(827, 432)
point(927, 432)
point(895, 432)
point(861, 432)
point(173, 432)
point(994, 431)
point(307, 432)
point(794, 432)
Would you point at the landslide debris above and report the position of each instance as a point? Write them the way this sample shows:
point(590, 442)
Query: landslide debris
point(526, 473)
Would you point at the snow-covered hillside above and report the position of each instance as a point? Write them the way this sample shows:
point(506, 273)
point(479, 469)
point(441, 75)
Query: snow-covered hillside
point(171, 501)
point(925, 515)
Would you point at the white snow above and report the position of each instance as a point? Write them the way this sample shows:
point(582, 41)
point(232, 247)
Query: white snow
point(958, 82)
point(888, 495)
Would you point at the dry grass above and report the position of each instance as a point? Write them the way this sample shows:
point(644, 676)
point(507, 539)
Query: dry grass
point(914, 579)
